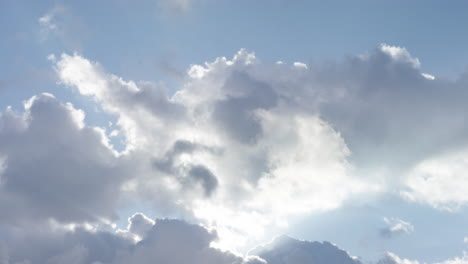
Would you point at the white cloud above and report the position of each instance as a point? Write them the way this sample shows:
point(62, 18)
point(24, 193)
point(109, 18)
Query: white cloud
point(49, 21)
point(286, 250)
point(400, 54)
point(396, 226)
point(59, 24)
point(242, 146)
point(428, 76)
point(229, 145)
point(392, 258)
point(439, 181)
point(300, 65)
point(138, 226)
point(261, 141)
point(456, 260)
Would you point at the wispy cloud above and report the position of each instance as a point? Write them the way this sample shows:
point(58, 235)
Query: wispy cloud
point(180, 6)
point(49, 22)
point(61, 25)
point(395, 227)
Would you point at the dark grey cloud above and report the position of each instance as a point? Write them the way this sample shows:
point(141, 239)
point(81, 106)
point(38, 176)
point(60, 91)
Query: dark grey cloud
point(205, 177)
point(188, 174)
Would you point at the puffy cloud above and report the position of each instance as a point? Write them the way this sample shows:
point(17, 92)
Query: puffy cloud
point(456, 260)
point(138, 226)
point(54, 166)
point(231, 145)
point(439, 181)
point(164, 241)
point(247, 140)
point(286, 250)
point(174, 241)
point(241, 146)
point(395, 226)
point(392, 258)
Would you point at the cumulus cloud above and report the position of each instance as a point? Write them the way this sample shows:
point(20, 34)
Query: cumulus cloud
point(55, 166)
point(138, 226)
point(163, 241)
point(242, 146)
point(456, 260)
point(392, 258)
point(240, 141)
point(439, 181)
point(395, 226)
point(286, 250)
point(243, 139)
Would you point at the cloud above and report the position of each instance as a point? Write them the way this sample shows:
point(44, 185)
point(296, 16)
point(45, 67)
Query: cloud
point(163, 241)
point(286, 250)
point(59, 23)
point(269, 141)
point(231, 146)
point(392, 258)
point(439, 181)
point(138, 226)
point(395, 227)
point(54, 166)
point(47, 22)
point(456, 260)
point(174, 241)
point(180, 6)
point(243, 146)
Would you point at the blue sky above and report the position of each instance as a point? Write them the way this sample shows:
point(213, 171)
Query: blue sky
point(339, 120)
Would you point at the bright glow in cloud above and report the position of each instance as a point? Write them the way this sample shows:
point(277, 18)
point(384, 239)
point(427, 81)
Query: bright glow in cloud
point(257, 158)
point(440, 181)
point(242, 147)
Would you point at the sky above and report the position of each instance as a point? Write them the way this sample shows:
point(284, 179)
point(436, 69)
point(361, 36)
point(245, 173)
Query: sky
point(216, 131)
